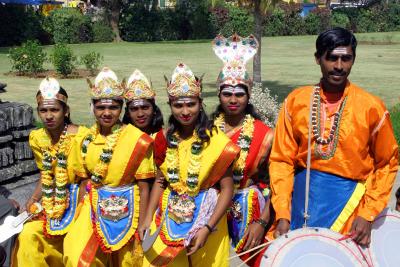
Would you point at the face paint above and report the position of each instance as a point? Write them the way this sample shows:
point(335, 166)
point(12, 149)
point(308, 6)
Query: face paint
point(48, 102)
point(339, 51)
point(233, 89)
point(106, 101)
point(137, 102)
point(183, 100)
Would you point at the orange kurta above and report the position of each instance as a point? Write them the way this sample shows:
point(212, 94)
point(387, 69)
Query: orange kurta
point(366, 149)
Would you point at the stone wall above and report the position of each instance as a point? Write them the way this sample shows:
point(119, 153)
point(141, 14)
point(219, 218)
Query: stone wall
point(17, 166)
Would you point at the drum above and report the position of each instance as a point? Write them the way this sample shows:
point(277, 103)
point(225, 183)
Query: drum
point(313, 247)
point(385, 236)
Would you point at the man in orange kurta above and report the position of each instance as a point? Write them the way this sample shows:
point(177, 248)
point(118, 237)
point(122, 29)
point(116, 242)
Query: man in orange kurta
point(352, 142)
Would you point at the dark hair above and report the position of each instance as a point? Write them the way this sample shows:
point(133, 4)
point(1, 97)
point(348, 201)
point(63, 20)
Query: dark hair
point(398, 193)
point(156, 123)
point(67, 118)
point(250, 109)
point(330, 39)
point(202, 125)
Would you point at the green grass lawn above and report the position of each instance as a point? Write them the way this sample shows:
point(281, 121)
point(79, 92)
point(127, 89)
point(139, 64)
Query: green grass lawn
point(287, 62)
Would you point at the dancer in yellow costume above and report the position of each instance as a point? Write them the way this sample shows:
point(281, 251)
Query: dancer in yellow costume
point(196, 166)
point(41, 241)
point(141, 109)
point(112, 157)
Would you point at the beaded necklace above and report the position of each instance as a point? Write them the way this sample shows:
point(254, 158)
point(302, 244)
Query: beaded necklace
point(244, 142)
point(54, 184)
point(333, 136)
point(191, 185)
point(101, 168)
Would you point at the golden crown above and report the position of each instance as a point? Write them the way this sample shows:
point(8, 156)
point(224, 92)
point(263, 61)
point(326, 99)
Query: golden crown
point(235, 52)
point(49, 88)
point(106, 85)
point(138, 87)
point(183, 83)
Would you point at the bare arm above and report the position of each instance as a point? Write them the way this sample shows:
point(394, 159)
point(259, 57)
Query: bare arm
point(144, 198)
point(224, 201)
point(152, 204)
point(36, 195)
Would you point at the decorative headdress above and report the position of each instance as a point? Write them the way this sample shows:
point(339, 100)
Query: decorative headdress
point(49, 90)
point(106, 85)
point(234, 52)
point(138, 87)
point(183, 83)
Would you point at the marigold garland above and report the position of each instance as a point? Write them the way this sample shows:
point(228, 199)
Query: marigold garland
point(101, 168)
point(244, 142)
point(54, 184)
point(191, 185)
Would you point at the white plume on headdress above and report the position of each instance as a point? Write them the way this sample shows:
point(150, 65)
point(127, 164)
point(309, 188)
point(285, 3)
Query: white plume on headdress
point(235, 48)
point(137, 76)
point(104, 74)
point(49, 88)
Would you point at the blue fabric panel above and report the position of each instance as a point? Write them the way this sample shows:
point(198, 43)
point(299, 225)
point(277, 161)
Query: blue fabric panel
point(237, 228)
point(179, 230)
point(69, 213)
point(328, 195)
point(115, 231)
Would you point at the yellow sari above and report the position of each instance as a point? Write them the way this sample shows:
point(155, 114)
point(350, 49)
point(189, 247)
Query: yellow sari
point(86, 241)
point(219, 153)
point(37, 245)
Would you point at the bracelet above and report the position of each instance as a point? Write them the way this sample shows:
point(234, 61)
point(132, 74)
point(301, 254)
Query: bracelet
point(262, 222)
point(209, 228)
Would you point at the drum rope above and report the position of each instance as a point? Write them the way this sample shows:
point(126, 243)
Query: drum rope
point(308, 167)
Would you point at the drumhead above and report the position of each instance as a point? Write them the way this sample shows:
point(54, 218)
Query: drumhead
point(384, 248)
point(313, 247)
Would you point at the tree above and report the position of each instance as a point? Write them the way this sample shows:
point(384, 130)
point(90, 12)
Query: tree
point(260, 10)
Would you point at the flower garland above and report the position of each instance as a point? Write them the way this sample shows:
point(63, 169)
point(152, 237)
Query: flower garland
point(244, 142)
point(333, 136)
point(191, 185)
point(101, 168)
point(54, 184)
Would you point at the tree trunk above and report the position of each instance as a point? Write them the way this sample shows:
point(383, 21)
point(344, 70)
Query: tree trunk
point(114, 19)
point(258, 30)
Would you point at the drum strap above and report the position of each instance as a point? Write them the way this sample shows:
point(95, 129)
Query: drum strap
point(306, 215)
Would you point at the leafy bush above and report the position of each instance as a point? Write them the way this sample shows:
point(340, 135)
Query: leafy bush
point(274, 25)
point(92, 61)
point(340, 20)
point(63, 59)
point(230, 19)
point(20, 24)
point(317, 21)
point(68, 25)
point(28, 58)
point(137, 23)
point(102, 33)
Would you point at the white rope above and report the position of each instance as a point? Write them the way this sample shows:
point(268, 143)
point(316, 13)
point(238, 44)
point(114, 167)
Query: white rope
point(306, 215)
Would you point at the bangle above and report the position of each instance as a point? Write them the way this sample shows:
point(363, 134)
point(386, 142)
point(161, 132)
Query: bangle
point(262, 222)
point(209, 228)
